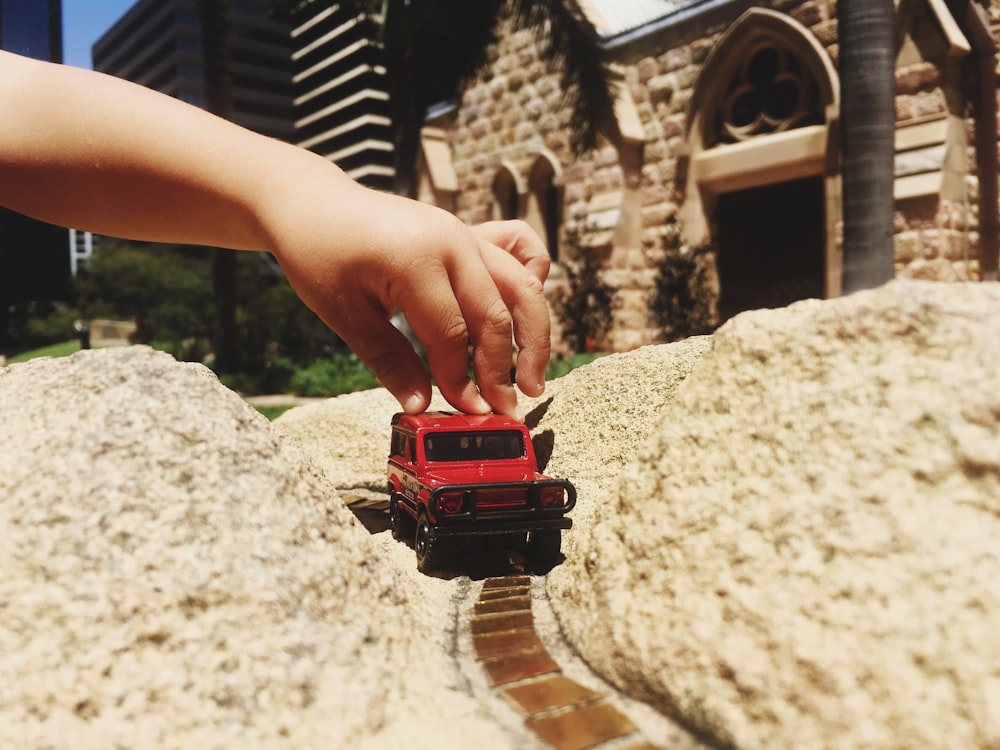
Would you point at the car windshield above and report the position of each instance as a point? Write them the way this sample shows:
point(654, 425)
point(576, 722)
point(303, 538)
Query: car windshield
point(474, 446)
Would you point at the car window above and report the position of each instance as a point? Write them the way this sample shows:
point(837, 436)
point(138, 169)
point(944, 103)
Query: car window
point(402, 446)
point(474, 446)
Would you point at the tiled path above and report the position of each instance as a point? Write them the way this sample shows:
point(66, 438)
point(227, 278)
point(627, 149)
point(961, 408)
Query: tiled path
point(561, 712)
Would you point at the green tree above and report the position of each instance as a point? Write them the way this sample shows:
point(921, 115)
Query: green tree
point(169, 300)
point(274, 323)
point(868, 126)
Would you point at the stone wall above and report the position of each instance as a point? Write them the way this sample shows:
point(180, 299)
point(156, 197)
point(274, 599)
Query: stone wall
point(516, 112)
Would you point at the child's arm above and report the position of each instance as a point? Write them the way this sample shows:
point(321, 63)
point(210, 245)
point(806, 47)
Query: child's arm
point(86, 150)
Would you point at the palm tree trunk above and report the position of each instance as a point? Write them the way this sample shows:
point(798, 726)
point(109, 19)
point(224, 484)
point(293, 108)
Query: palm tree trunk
point(214, 17)
point(868, 126)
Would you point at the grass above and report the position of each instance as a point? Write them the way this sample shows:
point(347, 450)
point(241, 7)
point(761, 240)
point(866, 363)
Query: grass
point(273, 412)
point(52, 350)
point(561, 365)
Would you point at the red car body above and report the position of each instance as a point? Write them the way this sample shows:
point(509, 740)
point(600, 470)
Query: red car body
point(454, 475)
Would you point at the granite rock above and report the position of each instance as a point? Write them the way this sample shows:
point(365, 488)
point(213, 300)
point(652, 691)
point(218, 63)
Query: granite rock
point(176, 572)
point(785, 537)
point(805, 553)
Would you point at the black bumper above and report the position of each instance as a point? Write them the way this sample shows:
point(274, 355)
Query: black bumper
point(476, 521)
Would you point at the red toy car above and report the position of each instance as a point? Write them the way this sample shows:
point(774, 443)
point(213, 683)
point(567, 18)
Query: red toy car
point(454, 475)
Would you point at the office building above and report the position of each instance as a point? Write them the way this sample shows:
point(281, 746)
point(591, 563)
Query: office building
point(341, 103)
point(160, 44)
point(32, 28)
point(33, 259)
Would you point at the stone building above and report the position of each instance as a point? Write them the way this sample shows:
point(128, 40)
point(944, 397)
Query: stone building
point(729, 162)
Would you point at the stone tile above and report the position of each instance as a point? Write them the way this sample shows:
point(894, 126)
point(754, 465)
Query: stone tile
point(550, 692)
point(507, 643)
point(503, 621)
point(582, 727)
point(506, 582)
point(506, 669)
point(505, 604)
point(498, 593)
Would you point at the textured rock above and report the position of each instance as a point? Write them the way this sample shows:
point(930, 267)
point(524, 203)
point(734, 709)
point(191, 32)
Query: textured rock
point(176, 573)
point(349, 436)
point(805, 554)
point(592, 422)
point(785, 536)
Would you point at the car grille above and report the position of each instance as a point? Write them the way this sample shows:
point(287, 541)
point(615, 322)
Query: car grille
point(501, 499)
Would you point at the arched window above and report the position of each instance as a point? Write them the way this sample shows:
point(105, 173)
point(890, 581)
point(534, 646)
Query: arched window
point(769, 91)
point(761, 181)
point(506, 194)
point(544, 211)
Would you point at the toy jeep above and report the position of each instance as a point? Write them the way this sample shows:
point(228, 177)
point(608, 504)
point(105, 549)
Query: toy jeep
point(455, 475)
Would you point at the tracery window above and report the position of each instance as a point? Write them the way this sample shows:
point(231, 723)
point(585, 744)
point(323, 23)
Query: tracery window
point(769, 92)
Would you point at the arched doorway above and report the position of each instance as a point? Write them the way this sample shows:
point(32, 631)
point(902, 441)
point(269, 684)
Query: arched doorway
point(762, 184)
point(769, 246)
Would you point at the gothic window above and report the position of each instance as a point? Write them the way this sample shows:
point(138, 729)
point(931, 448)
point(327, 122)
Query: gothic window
point(506, 200)
point(544, 212)
point(768, 92)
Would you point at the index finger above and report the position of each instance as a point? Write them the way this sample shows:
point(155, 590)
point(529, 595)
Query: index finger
point(524, 296)
point(518, 239)
point(452, 303)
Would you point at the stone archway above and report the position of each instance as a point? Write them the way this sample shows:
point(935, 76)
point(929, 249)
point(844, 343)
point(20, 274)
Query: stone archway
point(762, 183)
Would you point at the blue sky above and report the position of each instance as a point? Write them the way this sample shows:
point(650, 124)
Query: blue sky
point(84, 21)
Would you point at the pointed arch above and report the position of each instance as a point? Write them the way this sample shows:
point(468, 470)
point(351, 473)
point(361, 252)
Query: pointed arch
point(763, 113)
point(544, 200)
point(509, 190)
point(771, 57)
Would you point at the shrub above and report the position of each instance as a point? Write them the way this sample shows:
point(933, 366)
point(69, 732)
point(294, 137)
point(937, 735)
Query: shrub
point(333, 376)
point(683, 303)
point(171, 303)
point(586, 307)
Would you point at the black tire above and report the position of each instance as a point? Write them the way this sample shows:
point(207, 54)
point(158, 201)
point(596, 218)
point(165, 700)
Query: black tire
point(545, 549)
point(428, 547)
point(400, 523)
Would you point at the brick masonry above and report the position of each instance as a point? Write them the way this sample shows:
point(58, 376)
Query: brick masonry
point(515, 114)
point(562, 713)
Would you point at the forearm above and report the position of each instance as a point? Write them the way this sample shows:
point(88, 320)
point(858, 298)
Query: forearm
point(97, 153)
point(94, 152)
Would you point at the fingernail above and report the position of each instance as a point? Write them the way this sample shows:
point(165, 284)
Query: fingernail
point(519, 414)
point(412, 404)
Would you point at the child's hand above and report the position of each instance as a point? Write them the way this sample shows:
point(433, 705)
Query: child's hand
point(460, 288)
point(94, 152)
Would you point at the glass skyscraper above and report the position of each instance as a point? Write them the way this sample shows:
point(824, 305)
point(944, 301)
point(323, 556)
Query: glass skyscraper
point(32, 28)
point(34, 260)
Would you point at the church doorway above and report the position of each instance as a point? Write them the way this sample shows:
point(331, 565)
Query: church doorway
point(771, 245)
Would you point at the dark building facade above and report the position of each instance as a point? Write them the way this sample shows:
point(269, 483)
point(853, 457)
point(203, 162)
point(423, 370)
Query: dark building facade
point(34, 257)
point(32, 28)
point(160, 44)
